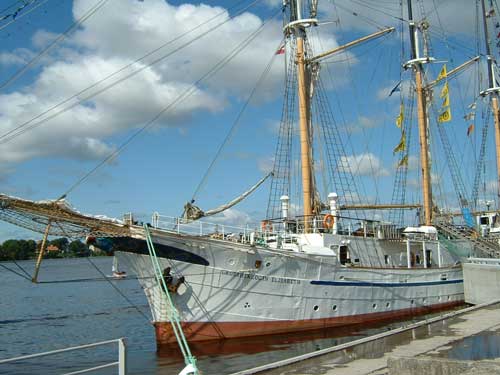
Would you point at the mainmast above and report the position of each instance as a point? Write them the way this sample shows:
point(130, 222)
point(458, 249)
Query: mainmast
point(416, 63)
point(492, 90)
point(298, 25)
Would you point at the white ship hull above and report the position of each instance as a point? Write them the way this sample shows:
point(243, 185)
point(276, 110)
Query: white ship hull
point(237, 290)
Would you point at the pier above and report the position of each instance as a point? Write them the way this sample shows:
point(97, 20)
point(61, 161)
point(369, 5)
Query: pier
point(445, 344)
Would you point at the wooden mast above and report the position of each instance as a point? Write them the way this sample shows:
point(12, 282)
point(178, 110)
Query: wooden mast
point(493, 91)
point(305, 147)
point(416, 63)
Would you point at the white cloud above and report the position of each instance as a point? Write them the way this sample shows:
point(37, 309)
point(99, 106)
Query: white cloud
point(232, 217)
point(365, 164)
point(265, 165)
point(362, 122)
point(116, 36)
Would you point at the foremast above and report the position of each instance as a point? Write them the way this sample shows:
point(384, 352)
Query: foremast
point(298, 26)
point(416, 63)
point(492, 91)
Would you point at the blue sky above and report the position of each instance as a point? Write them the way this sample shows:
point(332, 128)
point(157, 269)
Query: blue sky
point(160, 170)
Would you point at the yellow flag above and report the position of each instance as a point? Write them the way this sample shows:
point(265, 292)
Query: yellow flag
point(402, 143)
point(444, 90)
point(442, 73)
point(445, 116)
point(446, 101)
point(401, 116)
point(403, 161)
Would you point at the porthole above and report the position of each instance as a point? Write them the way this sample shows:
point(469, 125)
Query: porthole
point(231, 262)
point(341, 278)
point(449, 297)
point(268, 264)
point(412, 302)
point(334, 307)
point(388, 304)
point(374, 306)
point(316, 308)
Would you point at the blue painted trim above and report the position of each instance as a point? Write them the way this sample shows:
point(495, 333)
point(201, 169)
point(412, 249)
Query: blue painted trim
point(388, 285)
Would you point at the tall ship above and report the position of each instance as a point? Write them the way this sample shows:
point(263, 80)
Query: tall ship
point(321, 257)
point(326, 266)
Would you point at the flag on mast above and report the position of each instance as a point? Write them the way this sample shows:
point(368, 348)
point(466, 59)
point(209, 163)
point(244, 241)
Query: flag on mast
point(445, 116)
point(401, 116)
point(442, 73)
point(281, 49)
point(444, 91)
point(470, 129)
point(403, 162)
point(402, 143)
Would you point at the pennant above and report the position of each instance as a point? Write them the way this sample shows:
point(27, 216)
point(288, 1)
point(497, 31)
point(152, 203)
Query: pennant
point(445, 116)
point(469, 116)
point(470, 129)
point(446, 102)
point(281, 50)
point(396, 88)
point(403, 162)
point(442, 73)
point(401, 116)
point(444, 91)
point(402, 143)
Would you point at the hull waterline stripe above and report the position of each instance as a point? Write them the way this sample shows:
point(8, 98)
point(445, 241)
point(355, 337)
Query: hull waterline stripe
point(387, 285)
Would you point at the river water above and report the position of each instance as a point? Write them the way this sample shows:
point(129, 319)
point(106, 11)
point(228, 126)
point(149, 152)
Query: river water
point(59, 313)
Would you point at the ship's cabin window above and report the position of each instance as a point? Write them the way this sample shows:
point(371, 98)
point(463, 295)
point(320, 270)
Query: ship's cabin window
point(344, 255)
point(428, 255)
point(484, 220)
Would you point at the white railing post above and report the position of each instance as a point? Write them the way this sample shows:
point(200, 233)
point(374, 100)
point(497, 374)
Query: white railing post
point(201, 228)
point(178, 225)
point(425, 254)
point(439, 255)
point(122, 357)
point(408, 254)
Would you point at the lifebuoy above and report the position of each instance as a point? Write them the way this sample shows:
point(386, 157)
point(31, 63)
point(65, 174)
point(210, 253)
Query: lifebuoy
point(328, 221)
point(266, 226)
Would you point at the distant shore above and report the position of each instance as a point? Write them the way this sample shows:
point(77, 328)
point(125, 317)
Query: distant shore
point(58, 248)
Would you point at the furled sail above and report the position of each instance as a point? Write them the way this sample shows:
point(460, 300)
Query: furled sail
point(63, 218)
point(192, 212)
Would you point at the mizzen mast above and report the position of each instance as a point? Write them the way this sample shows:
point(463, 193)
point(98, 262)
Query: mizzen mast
point(492, 90)
point(416, 63)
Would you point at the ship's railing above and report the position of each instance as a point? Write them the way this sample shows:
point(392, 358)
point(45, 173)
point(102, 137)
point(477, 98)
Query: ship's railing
point(487, 261)
point(121, 363)
point(244, 234)
point(268, 228)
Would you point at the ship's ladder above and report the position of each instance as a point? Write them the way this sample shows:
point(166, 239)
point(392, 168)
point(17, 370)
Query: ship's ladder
point(172, 314)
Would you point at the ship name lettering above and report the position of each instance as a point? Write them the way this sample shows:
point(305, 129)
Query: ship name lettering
point(273, 279)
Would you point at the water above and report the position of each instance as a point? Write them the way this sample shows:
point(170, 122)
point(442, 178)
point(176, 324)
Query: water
point(48, 316)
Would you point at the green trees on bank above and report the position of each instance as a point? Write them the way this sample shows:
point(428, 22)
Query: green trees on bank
point(57, 248)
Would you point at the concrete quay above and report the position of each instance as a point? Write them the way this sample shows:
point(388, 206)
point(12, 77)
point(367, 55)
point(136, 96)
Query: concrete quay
point(465, 341)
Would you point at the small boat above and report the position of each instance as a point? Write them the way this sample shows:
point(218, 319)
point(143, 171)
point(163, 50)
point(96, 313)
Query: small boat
point(116, 273)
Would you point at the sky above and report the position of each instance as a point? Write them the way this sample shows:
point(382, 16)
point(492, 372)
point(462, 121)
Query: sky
point(163, 167)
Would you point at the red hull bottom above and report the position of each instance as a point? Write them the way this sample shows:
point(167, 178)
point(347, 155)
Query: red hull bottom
point(204, 331)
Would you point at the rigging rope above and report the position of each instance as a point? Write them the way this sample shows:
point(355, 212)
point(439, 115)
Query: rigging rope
point(98, 5)
point(18, 130)
point(14, 19)
point(236, 122)
point(184, 95)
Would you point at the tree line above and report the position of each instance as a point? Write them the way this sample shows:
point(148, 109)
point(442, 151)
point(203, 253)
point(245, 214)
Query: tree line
point(28, 249)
